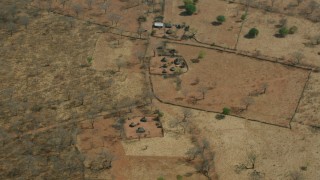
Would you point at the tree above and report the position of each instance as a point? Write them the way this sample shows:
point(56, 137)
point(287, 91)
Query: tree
point(283, 32)
point(293, 29)
point(192, 153)
point(120, 62)
point(77, 8)
point(90, 3)
point(221, 19)
point(24, 20)
point(11, 27)
point(190, 9)
point(313, 5)
point(186, 114)
point(201, 55)
point(299, 2)
point(247, 101)
point(63, 2)
point(226, 111)
point(104, 7)
point(114, 18)
point(253, 32)
point(102, 161)
point(283, 22)
point(298, 56)
point(203, 90)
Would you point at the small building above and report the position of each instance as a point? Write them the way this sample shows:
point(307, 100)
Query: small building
point(158, 24)
point(140, 130)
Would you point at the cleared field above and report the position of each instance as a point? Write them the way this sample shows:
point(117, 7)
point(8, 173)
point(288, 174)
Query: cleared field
point(223, 35)
point(254, 89)
point(267, 43)
point(308, 111)
point(279, 152)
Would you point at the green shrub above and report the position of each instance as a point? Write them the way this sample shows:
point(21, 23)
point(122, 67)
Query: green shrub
point(283, 31)
point(226, 111)
point(253, 32)
point(244, 16)
point(221, 19)
point(293, 29)
point(179, 177)
point(201, 55)
point(89, 59)
point(160, 178)
point(190, 9)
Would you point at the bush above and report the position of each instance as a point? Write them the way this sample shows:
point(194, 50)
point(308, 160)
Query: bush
point(244, 16)
point(221, 19)
point(142, 19)
point(89, 59)
point(253, 32)
point(226, 111)
point(153, 32)
point(293, 29)
point(190, 9)
point(179, 177)
point(220, 116)
point(201, 55)
point(283, 31)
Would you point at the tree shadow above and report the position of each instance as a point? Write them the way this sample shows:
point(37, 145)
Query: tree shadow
point(277, 35)
point(247, 36)
point(181, 7)
point(184, 13)
point(278, 26)
point(216, 23)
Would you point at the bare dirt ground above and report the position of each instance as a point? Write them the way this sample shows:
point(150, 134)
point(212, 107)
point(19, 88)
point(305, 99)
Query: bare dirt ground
point(140, 159)
point(286, 47)
point(224, 35)
point(227, 81)
point(308, 112)
point(279, 152)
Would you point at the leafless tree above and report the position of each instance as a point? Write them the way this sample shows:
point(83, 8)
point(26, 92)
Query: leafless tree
point(104, 7)
point(192, 153)
point(63, 2)
point(90, 3)
point(295, 175)
point(115, 18)
point(140, 31)
point(312, 6)
point(24, 20)
point(299, 2)
point(70, 21)
point(205, 145)
point(272, 2)
point(247, 101)
point(77, 8)
point(283, 22)
point(11, 27)
point(298, 56)
point(120, 62)
point(203, 90)
point(264, 86)
point(187, 113)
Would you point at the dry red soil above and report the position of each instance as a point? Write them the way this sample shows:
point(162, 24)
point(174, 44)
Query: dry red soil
point(232, 81)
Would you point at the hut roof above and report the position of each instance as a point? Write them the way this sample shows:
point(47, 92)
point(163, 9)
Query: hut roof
point(140, 130)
